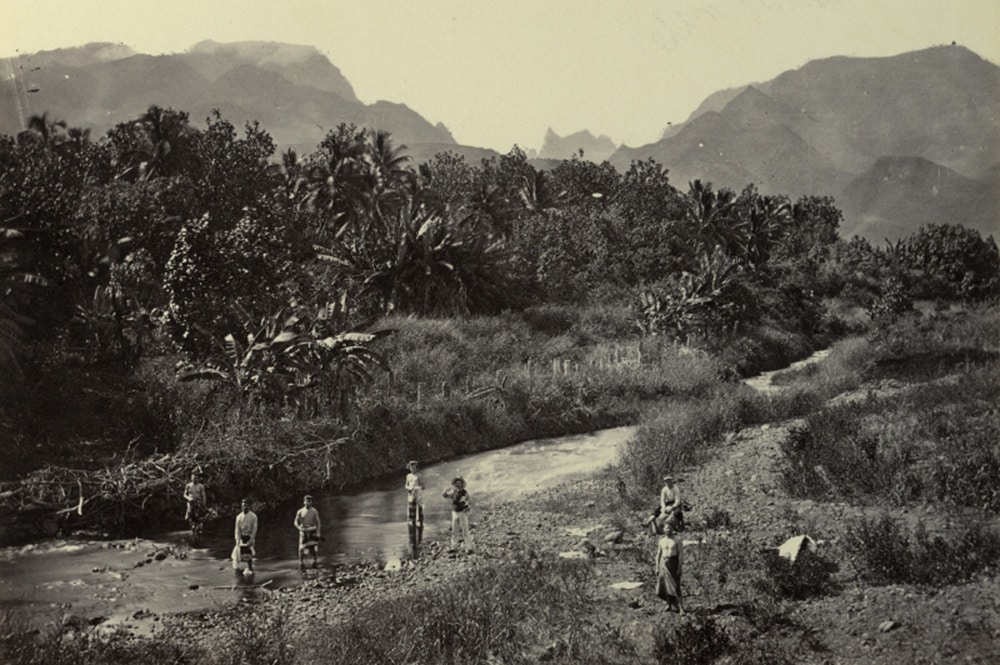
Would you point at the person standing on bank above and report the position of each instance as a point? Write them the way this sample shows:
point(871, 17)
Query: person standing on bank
point(414, 507)
point(308, 523)
point(245, 534)
point(461, 504)
point(668, 569)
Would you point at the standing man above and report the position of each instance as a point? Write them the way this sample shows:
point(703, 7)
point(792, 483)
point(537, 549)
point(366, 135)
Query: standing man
point(195, 496)
point(308, 524)
point(461, 505)
point(414, 507)
point(246, 537)
point(668, 569)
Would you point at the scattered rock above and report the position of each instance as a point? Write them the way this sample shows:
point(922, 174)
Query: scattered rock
point(886, 626)
point(614, 537)
point(97, 621)
point(193, 587)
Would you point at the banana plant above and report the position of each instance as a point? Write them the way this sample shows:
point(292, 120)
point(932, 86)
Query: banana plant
point(688, 302)
point(282, 356)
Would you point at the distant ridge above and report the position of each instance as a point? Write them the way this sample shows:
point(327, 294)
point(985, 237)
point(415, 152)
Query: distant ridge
point(841, 125)
point(595, 148)
point(294, 91)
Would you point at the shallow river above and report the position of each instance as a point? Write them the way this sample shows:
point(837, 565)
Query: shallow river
point(122, 582)
point(122, 579)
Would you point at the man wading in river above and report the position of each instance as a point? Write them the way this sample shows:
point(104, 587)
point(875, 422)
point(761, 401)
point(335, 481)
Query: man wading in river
point(414, 507)
point(307, 522)
point(194, 494)
point(246, 537)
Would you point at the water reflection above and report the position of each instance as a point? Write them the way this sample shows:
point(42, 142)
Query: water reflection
point(123, 580)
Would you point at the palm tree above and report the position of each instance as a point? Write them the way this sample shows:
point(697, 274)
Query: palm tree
point(389, 159)
point(158, 144)
point(537, 193)
point(711, 213)
point(765, 224)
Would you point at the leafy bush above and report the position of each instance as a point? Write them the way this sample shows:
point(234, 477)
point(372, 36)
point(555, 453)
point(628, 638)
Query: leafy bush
point(807, 576)
point(695, 641)
point(883, 553)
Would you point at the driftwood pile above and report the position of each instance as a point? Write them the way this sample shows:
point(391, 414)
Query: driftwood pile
point(117, 495)
point(103, 496)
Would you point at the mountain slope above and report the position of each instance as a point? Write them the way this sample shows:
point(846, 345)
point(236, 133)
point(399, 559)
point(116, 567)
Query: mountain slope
point(896, 190)
point(295, 93)
point(827, 125)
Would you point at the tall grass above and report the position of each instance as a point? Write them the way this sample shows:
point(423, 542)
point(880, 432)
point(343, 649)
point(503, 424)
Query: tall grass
point(490, 615)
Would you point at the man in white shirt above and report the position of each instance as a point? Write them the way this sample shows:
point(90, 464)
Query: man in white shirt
point(246, 537)
point(308, 523)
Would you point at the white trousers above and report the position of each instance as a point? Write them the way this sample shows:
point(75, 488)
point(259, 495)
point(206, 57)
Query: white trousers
point(460, 525)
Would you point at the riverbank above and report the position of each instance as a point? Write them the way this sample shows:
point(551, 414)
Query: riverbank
point(566, 576)
point(457, 387)
point(905, 566)
point(739, 509)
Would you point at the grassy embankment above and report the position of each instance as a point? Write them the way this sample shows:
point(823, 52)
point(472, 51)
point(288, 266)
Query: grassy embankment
point(456, 386)
point(930, 440)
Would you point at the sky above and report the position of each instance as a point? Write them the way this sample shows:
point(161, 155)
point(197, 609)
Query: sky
point(501, 72)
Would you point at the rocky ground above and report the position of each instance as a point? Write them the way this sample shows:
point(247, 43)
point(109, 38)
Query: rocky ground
point(738, 493)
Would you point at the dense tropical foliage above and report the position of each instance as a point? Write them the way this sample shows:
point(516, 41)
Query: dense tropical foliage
point(264, 280)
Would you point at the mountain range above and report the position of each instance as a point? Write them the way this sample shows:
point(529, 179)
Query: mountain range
point(295, 92)
point(899, 142)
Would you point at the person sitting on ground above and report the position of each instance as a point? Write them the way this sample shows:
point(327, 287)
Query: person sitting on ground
point(246, 537)
point(668, 569)
point(308, 523)
point(195, 496)
point(671, 508)
point(461, 505)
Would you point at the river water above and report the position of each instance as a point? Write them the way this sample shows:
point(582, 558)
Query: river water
point(125, 583)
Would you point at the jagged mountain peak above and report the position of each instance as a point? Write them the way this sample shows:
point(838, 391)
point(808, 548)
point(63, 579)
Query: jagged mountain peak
point(595, 148)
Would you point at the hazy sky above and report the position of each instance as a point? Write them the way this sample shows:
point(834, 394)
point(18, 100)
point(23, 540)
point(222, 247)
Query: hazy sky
point(499, 72)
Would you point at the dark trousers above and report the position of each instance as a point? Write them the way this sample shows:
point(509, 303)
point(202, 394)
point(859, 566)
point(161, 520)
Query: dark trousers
point(415, 525)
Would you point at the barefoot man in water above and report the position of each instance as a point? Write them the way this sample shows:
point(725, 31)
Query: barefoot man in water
point(308, 524)
point(245, 534)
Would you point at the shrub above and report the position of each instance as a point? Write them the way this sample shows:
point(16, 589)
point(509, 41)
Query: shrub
point(807, 576)
point(691, 642)
point(62, 643)
point(717, 519)
point(481, 617)
point(883, 553)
